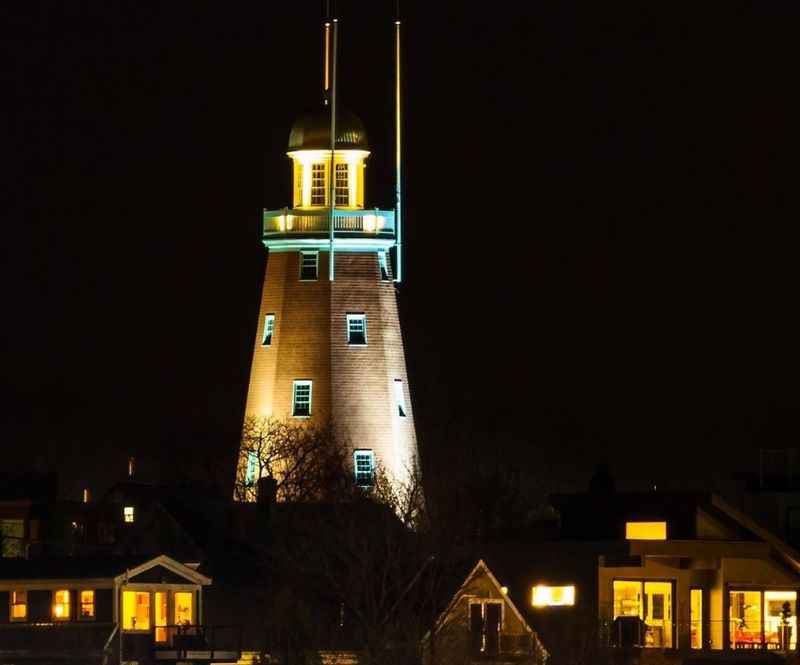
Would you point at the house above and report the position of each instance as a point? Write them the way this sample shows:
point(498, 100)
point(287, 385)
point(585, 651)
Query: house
point(483, 623)
point(86, 610)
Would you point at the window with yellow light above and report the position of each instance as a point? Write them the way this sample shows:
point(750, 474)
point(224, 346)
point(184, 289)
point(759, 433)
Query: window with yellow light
point(136, 610)
point(184, 608)
point(61, 605)
point(87, 604)
point(645, 530)
point(19, 605)
point(553, 596)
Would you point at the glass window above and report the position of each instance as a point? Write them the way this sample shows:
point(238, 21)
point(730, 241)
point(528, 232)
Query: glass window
point(646, 530)
point(642, 614)
point(780, 608)
point(399, 397)
point(12, 538)
point(485, 624)
point(61, 605)
point(183, 608)
point(745, 619)
point(128, 514)
point(318, 184)
point(357, 329)
point(269, 328)
point(19, 605)
point(364, 467)
point(298, 182)
point(342, 185)
point(252, 468)
point(136, 610)
point(309, 262)
point(301, 401)
point(553, 596)
point(87, 604)
point(696, 617)
point(162, 617)
point(383, 264)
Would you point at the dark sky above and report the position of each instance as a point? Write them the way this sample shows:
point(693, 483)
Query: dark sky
point(601, 263)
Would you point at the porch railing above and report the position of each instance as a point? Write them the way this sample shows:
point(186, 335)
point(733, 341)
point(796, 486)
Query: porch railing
point(293, 222)
point(219, 643)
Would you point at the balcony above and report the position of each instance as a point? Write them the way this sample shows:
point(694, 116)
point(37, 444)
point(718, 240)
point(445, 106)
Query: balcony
point(315, 223)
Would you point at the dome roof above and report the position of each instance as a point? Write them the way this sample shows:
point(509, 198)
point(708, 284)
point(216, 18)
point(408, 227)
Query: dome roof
point(312, 131)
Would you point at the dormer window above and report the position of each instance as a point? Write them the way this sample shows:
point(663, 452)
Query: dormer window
point(342, 185)
point(318, 184)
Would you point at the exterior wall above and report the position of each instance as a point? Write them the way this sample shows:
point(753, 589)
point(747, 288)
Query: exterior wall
point(353, 385)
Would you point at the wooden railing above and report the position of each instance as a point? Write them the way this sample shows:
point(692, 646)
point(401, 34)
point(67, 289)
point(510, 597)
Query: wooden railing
point(299, 222)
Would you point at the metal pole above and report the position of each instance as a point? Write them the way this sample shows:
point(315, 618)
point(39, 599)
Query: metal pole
point(398, 156)
point(332, 175)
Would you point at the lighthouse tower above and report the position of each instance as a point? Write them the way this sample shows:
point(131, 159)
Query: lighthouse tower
point(328, 346)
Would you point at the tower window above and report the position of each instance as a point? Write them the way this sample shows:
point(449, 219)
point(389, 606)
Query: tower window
point(309, 262)
point(301, 399)
point(357, 329)
point(252, 467)
point(318, 184)
point(399, 398)
point(269, 328)
point(128, 514)
point(342, 185)
point(364, 461)
point(383, 264)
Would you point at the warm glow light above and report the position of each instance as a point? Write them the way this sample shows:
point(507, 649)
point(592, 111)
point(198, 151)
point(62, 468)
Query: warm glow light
point(369, 223)
point(61, 604)
point(128, 514)
point(553, 596)
point(504, 590)
point(646, 530)
point(135, 610)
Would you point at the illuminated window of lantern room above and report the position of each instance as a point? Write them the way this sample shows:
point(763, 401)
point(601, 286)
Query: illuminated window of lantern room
point(61, 605)
point(298, 196)
point(645, 530)
point(301, 399)
point(342, 185)
point(19, 605)
point(128, 514)
point(553, 596)
point(357, 329)
point(318, 184)
point(383, 264)
point(269, 328)
point(87, 604)
point(183, 608)
point(136, 610)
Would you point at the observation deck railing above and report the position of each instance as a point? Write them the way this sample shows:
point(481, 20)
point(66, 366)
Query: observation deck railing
point(290, 222)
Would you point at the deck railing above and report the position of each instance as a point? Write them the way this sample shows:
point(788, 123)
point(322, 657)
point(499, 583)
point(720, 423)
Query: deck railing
point(292, 221)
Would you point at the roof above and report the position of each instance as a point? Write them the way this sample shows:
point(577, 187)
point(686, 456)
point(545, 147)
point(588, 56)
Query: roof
point(312, 131)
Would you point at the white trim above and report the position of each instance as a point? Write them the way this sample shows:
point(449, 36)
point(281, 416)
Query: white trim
point(168, 563)
point(357, 317)
point(295, 384)
point(323, 244)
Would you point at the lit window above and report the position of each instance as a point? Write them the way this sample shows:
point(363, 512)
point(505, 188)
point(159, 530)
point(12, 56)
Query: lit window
point(318, 184)
point(269, 328)
point(183, 608)
point(399, 397)
point(299, 185)
point(161, 616)
point(87, 604)
point(135, 610)
point(252, 467)
point(342, 185)
point(301, 400)
point(19, 605)
point(650, 603)
point(309, 262)
point(696, 617)
point(12, 538)
point(646, 530)
point(383, 264)
point(365, 467)
point(61, 605)
point(553, 596)
point(128, 514)
point(357, 329)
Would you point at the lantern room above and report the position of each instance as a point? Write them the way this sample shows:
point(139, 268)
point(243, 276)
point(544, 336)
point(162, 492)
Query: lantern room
point(310, 152)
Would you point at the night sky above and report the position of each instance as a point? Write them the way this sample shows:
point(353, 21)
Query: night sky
point(601, 263)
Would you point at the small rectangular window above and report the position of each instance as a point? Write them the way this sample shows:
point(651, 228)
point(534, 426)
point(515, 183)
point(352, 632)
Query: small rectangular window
point(553, 596)
point(183, 608)
point(252, 468)
point(309, 262)
point(383, 264)
point(364, 467)
point(399, 398)
point(269, 328)
point(357, 329)
point(61, 605)
point(87, 604)
point(318, 184)
point(342, 185)
point(129, 514)
point(301, 401)
point(19, 605)
point(645, 530)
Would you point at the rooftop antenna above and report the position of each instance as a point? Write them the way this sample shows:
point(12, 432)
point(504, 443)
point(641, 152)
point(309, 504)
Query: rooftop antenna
point(398, 187)
point(332, 173)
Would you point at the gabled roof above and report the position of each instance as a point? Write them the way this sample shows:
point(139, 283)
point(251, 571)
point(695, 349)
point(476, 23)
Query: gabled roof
point(166, 562)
